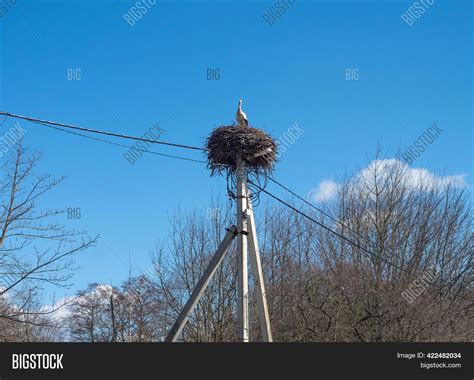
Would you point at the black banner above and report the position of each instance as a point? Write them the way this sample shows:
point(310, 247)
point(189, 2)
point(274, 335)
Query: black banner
point(447, 361)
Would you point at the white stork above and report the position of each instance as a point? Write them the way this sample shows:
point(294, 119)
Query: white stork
point(241, 116)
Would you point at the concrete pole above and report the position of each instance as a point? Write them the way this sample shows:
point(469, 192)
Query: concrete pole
point(257, 273)
point(242, 276)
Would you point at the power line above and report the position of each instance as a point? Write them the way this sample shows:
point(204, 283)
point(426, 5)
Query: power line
point(100, 132)
point(55, 125)
point(335, 220)
point(117, 144)
point(357, 245)
point(4, 120)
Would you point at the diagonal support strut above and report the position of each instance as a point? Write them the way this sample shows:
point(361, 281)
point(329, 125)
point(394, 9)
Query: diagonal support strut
point(202, 285)
point(257, 273)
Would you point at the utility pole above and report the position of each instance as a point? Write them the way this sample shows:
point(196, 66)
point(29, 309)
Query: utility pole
point(242, 231)
point(245, 231)
point(246, 234)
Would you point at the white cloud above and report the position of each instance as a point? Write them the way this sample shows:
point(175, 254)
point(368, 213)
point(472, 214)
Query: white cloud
point(60, 309)
point(326, 191)
point(416, 179)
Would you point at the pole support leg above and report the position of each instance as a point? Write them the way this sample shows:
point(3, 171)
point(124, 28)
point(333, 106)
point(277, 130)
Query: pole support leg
point(202, 285)
point(257, 273)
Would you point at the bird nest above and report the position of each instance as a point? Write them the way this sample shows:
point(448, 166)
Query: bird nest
point(227, 143)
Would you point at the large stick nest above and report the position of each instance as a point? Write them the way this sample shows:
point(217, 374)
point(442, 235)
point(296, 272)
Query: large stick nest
point(227, 143)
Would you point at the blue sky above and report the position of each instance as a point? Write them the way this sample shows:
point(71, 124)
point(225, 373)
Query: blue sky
point(293, 71)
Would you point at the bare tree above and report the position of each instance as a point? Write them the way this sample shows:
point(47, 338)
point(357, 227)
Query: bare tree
point(392, 228)
point(34, 248)
point(178, 266)
point(403, 227)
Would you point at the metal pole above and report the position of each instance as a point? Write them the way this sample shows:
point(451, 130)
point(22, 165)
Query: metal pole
point(201, 285)
point(257, 273)
point(242, 278)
